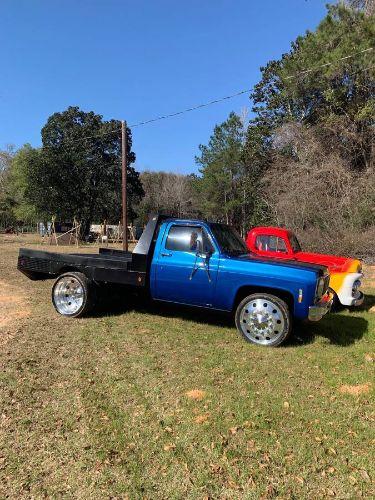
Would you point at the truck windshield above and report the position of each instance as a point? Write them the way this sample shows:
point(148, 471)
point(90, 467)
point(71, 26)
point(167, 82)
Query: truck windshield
point(228, 239)
point(295, 243)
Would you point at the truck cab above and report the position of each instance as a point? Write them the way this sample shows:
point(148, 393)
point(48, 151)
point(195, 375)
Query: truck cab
point(208, 265)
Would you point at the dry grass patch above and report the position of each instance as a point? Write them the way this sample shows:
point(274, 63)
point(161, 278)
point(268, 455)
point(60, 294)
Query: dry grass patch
point(14, 307)
point(196, 394)
point(355, 390)
point(200, 419)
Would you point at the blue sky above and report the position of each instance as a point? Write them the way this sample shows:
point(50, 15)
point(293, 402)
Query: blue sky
point(135, 60)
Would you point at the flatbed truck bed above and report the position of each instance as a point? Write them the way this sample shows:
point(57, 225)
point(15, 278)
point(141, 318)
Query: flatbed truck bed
point(108, 266)
point(101, 267)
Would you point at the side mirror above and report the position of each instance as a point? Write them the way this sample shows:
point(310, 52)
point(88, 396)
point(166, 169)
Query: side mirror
point(199, 248)
point(205, 255)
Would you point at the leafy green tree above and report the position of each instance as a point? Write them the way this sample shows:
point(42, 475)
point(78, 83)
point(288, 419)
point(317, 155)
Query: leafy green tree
point(6, 213)
point(221, 163)
point(232, 166)
point(311, 140)
point(338, 95)
point(79, 172)
point(257, 155)
point(25, 160)
point(5, 162)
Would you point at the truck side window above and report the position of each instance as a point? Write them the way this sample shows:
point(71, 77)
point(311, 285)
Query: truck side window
point(261, 243)
point(270, 244)
point(184, 239)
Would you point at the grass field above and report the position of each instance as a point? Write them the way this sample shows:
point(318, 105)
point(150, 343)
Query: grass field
point(169, 403)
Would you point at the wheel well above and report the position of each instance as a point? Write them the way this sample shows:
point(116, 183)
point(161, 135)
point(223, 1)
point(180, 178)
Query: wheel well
point(244, 291)
point(69, 269)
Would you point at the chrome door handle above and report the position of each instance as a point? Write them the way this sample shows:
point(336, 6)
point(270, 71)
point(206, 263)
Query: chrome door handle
point(166, 254)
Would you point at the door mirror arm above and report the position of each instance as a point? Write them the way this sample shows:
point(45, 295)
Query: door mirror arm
point(206, 258)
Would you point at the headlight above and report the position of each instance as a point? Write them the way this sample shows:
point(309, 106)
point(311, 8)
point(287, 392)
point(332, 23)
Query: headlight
point(356, 285)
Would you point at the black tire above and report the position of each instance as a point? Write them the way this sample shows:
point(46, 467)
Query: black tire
point(68, 302)
point(263, 319)
point(336, 304)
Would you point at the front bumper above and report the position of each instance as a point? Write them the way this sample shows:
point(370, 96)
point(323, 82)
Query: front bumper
point(317, 311)
point(358, 301)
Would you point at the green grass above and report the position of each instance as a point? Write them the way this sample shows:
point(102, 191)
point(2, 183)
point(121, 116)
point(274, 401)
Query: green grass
point(98, 407)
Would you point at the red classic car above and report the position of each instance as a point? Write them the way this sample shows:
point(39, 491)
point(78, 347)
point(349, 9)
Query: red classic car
point(279, 243)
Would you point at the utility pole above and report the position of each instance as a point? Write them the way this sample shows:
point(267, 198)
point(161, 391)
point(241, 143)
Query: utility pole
point(124, 185)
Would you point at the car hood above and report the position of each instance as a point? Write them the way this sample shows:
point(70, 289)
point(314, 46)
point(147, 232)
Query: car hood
point(334, 263)
point(292, 263)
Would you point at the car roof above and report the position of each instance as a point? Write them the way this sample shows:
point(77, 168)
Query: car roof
point(271, 230)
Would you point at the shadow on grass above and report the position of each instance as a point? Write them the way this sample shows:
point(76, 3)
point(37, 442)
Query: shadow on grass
point(113, 302)
point(367, 303)
point(338, 329)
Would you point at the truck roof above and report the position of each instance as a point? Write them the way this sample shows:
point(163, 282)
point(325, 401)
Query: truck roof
point(276, 231)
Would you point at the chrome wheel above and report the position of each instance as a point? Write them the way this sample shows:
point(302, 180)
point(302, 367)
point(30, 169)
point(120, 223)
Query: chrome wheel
point(68, 295)
point(262, 321)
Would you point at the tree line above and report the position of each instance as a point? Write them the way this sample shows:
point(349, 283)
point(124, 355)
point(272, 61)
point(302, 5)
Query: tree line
point(304, 159)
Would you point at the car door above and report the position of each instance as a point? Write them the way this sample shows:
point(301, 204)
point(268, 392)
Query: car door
point(187, 266)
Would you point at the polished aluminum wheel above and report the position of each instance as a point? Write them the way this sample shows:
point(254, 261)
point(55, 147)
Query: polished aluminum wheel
point(68, 295)
point(262, 321)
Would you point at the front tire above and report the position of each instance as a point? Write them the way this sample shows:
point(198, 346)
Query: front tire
point(336, 304)
point(263, 319)
point(72, 295)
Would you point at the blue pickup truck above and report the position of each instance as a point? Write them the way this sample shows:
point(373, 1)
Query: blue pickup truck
point(195, 263)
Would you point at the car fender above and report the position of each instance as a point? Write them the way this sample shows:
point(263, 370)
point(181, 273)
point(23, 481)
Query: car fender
point(342, 284)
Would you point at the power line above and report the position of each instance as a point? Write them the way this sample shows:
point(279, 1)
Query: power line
point(221, 99)
point(163, 117)
point(311, 70)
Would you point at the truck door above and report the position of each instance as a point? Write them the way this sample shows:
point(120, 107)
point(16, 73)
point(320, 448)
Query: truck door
point(187, 266)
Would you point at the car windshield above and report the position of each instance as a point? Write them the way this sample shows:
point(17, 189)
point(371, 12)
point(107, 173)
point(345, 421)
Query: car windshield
point(295, 243)
point(228, 239)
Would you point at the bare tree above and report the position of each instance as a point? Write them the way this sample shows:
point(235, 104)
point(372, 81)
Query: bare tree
point(366, 6)
point(318, 194)
point(166, 192)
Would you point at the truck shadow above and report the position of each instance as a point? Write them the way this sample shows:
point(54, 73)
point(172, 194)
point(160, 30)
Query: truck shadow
point(112, 303)
point(368, 303)
point(339, 329)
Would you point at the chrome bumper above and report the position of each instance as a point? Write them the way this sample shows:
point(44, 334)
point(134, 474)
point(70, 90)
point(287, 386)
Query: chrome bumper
point(358, 300)
point(317, 311)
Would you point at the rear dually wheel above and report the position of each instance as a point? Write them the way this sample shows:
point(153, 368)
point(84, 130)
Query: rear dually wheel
point(72, 294)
